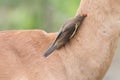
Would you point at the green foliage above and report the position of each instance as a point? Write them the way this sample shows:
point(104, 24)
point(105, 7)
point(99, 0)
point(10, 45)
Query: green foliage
point(36, 14)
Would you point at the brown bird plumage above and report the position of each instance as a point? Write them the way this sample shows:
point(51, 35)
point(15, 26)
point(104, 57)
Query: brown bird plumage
point(67, 32)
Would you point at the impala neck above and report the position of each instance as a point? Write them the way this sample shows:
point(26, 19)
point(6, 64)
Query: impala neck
point(89, 54)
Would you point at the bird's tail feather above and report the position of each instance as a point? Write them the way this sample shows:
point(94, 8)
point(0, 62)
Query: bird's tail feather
point(50, 50)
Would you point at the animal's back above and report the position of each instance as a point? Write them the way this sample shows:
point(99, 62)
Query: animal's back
point(21, 56)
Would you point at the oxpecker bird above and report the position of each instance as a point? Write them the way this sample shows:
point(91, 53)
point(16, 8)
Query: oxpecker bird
point(66, 33)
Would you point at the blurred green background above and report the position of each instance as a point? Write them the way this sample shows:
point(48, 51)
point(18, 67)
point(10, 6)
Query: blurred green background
point(45, 14)
point(36, 14)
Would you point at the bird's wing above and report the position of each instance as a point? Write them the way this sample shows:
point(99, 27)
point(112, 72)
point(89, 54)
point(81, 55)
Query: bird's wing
point(71, 30)
point(53, 46)
point(75, 30)
point(58, 36)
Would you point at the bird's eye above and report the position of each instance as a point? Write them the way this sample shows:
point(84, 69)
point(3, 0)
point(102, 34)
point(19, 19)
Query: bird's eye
point(81, 14)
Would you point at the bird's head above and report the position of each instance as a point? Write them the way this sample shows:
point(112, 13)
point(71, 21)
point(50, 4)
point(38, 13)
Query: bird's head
point(80, 17)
